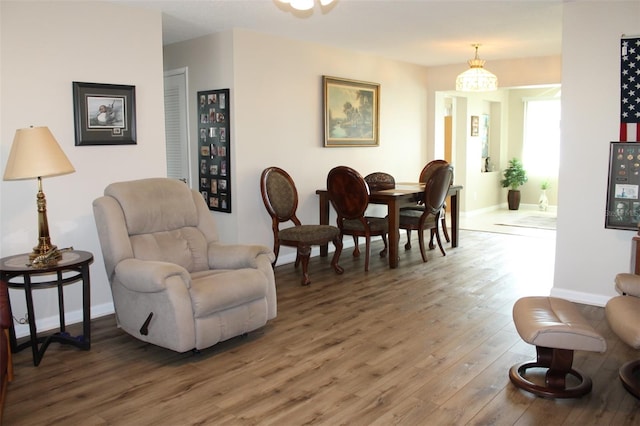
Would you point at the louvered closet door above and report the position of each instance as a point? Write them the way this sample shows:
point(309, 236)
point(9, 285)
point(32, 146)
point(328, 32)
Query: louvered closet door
point(176, 125)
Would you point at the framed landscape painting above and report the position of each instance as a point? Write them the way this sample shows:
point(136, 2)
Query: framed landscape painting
point(351, 112)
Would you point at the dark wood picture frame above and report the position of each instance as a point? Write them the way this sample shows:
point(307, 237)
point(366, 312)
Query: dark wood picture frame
point(623, 188)
point(351, 112)
point(104, 114)
point(214, 142)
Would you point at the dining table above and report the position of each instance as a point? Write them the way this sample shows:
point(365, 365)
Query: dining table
point(403, 195)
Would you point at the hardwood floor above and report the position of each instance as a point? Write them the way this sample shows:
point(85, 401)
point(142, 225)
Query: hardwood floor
point(424, 344)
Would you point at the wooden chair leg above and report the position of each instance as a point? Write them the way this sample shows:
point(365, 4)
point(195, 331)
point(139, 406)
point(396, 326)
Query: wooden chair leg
point(366, 255)
point(356, 247)
point(276, 250)
point(439, 242)
point(444, 228)
point(383, 253)
point(304, 252)
point(421, 243)
point(408, 245)
point(337, 242)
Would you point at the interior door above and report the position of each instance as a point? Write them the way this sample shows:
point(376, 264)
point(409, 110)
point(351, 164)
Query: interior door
point(177, 125)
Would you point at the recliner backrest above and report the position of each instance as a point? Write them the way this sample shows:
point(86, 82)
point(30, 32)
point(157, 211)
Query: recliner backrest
point(165, 221)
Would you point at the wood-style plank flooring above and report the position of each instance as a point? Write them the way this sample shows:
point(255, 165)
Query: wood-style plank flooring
point(423, 344)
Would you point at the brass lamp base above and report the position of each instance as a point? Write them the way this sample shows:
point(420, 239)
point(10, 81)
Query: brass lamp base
point(49, 252)
point(44, 252)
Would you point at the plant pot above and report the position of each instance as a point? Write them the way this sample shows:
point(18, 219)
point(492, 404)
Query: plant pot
point(513, 198)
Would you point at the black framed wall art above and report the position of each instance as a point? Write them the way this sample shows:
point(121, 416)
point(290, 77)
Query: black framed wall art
point(623, 204)
point(104, 114)
point(215, 149)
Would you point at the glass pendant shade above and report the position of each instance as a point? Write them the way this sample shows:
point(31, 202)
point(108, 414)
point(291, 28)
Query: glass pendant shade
point(476, 78)
point(305, 4)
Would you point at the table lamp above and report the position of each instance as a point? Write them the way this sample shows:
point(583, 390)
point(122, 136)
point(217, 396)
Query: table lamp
point(35, 154)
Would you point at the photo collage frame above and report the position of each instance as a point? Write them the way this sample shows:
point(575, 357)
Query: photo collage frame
point(215, 153)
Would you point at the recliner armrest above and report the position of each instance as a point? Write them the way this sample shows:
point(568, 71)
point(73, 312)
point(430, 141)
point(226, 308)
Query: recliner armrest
point(148, 276)
point(237, 256)
point(628, 284)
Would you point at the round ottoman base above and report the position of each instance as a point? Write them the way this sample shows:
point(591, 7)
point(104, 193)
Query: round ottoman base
point(518, 371)
point(628, 375)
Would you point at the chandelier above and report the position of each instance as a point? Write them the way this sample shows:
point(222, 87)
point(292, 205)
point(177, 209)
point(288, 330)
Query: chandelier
point(305, 4)
point(476, 78)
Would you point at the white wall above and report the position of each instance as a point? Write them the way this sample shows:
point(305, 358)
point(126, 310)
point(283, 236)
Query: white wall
point(482, 190)
point(44, 47)
point(209, 63)
point(276, 96)
point(587, 255)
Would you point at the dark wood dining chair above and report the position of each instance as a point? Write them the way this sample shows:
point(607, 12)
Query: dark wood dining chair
point(425, 174)
point(380, 180)
point(280, 197)
point(349, 195)
point(434, 196)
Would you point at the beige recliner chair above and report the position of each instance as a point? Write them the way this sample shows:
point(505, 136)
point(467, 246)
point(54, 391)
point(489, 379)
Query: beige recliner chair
point(173, 283)
point(623, 316)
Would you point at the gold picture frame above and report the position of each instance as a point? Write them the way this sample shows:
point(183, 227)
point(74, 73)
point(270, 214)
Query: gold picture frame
point(351, 112)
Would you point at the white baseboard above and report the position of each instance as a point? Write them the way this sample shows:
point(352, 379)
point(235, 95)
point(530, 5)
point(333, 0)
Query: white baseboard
point(580, 297)
point(72, 317)
point(504, 206)
point(347, 242)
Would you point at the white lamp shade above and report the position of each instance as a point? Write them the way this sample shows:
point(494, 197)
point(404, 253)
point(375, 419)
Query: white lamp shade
point(36, 153)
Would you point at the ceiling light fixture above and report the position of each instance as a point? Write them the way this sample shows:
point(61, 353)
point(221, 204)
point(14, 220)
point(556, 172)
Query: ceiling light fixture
point(476, 78)
point(305, 4)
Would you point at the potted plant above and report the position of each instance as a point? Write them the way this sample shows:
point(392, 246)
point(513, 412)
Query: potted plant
point(514, 176)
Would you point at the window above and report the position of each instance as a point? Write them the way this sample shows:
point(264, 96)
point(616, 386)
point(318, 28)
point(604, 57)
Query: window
point(541, 151)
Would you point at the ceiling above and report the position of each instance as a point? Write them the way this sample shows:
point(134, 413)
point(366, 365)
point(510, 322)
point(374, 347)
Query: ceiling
point(424, 32)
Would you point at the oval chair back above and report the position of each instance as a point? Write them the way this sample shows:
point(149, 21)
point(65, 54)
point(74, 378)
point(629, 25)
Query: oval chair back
point(348, 192)
point(431, 167)
point(380, 180)
point(279, 195)
point(436, 189)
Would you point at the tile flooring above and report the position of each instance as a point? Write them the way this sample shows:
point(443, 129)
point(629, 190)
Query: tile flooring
point(488, 222)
